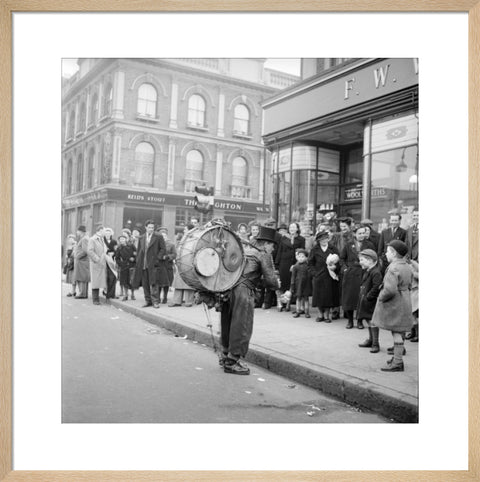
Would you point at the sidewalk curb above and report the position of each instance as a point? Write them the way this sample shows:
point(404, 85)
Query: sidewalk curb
point(398, 406)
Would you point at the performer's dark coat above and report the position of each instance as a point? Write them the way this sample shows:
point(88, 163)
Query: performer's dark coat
point(237, 312)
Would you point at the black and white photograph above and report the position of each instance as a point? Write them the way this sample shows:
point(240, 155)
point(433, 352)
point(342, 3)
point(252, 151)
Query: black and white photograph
point(240, 240)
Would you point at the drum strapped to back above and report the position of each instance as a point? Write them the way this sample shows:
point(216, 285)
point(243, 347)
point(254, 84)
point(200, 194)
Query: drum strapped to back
point(210, 259)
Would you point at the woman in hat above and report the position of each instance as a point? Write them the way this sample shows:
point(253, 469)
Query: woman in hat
point(242, 231)
point(325, 284)
point(285, 257)
point(394, 307)
point(369, 289)
point(352, 273)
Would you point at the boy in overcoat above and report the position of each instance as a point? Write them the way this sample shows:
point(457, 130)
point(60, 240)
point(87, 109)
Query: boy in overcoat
point(369, 289)
point(394, 307)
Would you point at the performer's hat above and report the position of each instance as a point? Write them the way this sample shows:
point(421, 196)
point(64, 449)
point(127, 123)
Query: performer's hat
point(267, 234)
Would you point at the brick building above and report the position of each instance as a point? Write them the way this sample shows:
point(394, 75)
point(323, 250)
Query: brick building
point(139, 134)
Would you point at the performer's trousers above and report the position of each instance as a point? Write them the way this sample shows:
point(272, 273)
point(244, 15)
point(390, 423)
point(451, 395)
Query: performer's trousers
point(111, 283)
point(82, 289)
point(237, 321)
point(150, 291)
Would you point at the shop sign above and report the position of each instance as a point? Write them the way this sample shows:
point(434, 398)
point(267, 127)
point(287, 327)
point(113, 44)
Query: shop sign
point(355, 194)
point(186, 201)
point(85, 199)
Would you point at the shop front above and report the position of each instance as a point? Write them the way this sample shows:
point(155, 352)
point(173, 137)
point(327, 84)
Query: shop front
point(346, 143)
point(123, 207)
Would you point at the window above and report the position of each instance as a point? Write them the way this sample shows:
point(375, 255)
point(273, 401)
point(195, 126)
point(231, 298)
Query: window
point(147, 100)
point(80, 174)
point(241, 120)
point(108, 101)
point(69, 176)
point(83, 119)
point(196, 111)
point(239, 178)
point(194, 170)
point(144, 162)
point(91, 168)
point(71, 124)
point(94, 110)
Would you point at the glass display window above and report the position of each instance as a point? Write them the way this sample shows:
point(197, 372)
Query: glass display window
point(394, 184)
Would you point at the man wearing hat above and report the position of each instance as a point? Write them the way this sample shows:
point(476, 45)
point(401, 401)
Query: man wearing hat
point(81, 265)
point(372, 235)
point(393, 311)
point(237, 312)
point(369, 289)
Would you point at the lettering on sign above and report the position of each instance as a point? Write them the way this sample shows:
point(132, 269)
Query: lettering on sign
point(228, 206)
point(356, 193)
point(380, 76)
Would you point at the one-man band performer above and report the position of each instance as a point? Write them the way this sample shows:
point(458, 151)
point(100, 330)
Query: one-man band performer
point(237, 312)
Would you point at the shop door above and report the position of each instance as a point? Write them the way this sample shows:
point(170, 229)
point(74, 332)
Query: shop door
point(135, 217)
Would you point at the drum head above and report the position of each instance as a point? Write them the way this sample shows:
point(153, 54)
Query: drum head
point(206, 262)
point(232, 257)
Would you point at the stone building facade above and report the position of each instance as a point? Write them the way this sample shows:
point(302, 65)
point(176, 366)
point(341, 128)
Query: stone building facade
point(139, 134)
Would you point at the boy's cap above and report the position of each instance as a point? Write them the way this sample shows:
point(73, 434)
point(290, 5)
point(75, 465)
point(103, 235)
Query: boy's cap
point(369, 253)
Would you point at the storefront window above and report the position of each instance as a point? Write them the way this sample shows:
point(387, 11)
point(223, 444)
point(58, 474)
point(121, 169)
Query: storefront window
point(183, 216)
point(354, 165)
point(135, 217)
point(394, 184)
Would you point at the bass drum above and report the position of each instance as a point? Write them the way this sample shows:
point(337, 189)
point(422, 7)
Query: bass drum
point(210, 259)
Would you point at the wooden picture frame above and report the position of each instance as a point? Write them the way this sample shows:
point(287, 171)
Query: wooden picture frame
point(8, 7)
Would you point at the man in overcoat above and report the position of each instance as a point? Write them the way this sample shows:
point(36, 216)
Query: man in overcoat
point(169, 260)
point(81, 266)
point(151, 271)
point(98, 263)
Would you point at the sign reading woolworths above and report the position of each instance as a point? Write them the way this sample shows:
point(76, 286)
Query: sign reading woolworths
point(152, 198)
point(355, 193)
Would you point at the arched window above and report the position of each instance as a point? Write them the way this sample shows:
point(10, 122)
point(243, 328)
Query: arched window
point(196, 111)
point(194, 170)
point(83, 118)
point(69, 177)
point(241, 119)
point(71, 124)
point(147, 100)
point(144, 161)
point(239, 178)
point(94, 109)
point(90, 168)
point(80, 173)
point(108, 100)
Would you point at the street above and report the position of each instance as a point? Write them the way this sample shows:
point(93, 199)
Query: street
point(117, 368)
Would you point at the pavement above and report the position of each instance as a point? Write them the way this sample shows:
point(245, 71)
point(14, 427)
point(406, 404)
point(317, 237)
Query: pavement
point(322, 356)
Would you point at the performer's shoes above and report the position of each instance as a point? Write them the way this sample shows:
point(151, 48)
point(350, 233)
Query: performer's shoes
point(237, 368)
point(222, 358)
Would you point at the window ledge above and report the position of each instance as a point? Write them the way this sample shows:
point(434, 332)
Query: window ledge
point(197, 128)
point(241, 135)
point(147, 118)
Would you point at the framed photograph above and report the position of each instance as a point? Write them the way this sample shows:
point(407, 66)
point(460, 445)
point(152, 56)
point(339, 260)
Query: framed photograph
point(158, 157)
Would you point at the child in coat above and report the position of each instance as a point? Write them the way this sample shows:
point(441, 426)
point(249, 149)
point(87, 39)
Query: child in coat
point(394, 306)
point(301, 284)
point(369, 289)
